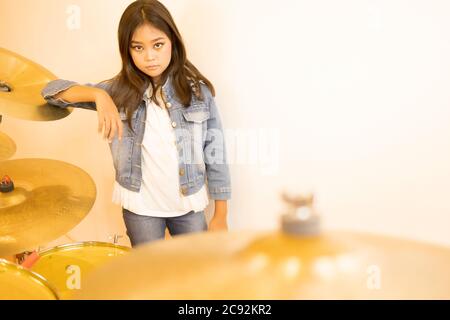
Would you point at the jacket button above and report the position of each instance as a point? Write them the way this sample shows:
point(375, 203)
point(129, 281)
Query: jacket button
point(182, 172)
point(174, 124)
point(184, 190)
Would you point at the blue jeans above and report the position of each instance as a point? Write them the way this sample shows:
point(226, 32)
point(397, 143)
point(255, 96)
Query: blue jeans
point(143, 229)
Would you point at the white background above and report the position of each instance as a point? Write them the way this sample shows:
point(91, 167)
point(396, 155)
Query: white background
point(352, 96)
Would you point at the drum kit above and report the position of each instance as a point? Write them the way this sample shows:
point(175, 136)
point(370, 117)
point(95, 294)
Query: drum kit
point(42, 199)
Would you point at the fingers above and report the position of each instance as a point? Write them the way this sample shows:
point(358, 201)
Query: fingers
point(107, 128)
point(109, 122)
point(113, 130)
point(116, 127)
point(110, 128)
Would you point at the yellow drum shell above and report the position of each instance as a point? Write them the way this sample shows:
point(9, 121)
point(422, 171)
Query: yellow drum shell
point(65, 266)
point(18, 283)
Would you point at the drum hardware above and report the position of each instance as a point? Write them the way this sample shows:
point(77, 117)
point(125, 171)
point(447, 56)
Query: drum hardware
point(21, 257)
point(4, 87)
point(6, 184)
point(115, 238)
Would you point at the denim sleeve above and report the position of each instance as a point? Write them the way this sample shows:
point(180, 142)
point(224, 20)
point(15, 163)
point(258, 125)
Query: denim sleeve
point(56, 86)
point(217, 169)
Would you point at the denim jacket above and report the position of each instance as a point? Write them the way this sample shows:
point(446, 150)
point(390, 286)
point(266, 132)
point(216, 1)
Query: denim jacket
point(199, 139)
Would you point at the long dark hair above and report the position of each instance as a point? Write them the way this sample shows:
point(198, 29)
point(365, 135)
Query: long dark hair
point(129, 85)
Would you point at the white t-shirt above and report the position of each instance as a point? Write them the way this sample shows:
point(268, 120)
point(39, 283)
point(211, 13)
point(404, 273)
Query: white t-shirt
point(160, 194)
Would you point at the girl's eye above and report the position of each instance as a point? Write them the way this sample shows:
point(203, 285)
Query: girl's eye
point(159, 45)
point(138, 48)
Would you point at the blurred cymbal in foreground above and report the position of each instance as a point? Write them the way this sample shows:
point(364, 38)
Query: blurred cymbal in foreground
point(21, 83)
point(242, 265)
point(49, 199)
point(297, 262)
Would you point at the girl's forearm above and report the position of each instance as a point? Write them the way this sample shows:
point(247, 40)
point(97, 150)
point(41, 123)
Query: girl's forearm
point(80, 93)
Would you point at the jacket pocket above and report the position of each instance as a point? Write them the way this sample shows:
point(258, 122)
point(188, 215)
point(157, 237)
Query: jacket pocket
point(197, 116)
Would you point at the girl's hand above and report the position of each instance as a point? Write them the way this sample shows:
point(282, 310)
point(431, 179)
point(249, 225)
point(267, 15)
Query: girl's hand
point(218, 223)
point(219, 220)
point(108, 117)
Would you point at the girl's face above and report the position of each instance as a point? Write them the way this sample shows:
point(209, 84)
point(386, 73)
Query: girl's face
point(151, 51)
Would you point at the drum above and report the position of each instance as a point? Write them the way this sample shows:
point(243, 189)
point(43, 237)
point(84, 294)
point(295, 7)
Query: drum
point(17, 283)
point(65, 266)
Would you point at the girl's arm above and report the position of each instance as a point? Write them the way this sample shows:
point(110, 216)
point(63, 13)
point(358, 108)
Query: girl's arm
point(217, 169)
point(64, 93)
point(55, 94)
point(215, 155)
point(79, 93)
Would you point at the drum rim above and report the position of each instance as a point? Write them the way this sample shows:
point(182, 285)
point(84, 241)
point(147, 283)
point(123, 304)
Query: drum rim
point(82, 244)
point(33, 275)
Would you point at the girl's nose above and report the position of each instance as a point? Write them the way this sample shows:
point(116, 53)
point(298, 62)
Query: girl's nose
point(150, 56)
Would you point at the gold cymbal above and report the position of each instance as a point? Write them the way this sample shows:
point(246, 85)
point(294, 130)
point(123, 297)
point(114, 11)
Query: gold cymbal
point(50, 198)
point(240, 265)
point(21, 82)
point(7, 147)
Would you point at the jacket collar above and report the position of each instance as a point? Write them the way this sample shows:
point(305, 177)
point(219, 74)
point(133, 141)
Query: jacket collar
point(167, 89)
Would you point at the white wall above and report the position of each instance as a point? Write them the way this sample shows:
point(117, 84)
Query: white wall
point(346, 98)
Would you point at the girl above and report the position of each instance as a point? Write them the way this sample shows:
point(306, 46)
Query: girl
point(163, 127)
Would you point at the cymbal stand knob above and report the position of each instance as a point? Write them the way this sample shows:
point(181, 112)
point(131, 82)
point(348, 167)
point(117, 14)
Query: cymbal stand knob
point(301, 218)
point(6, 184)
point(4, 87)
